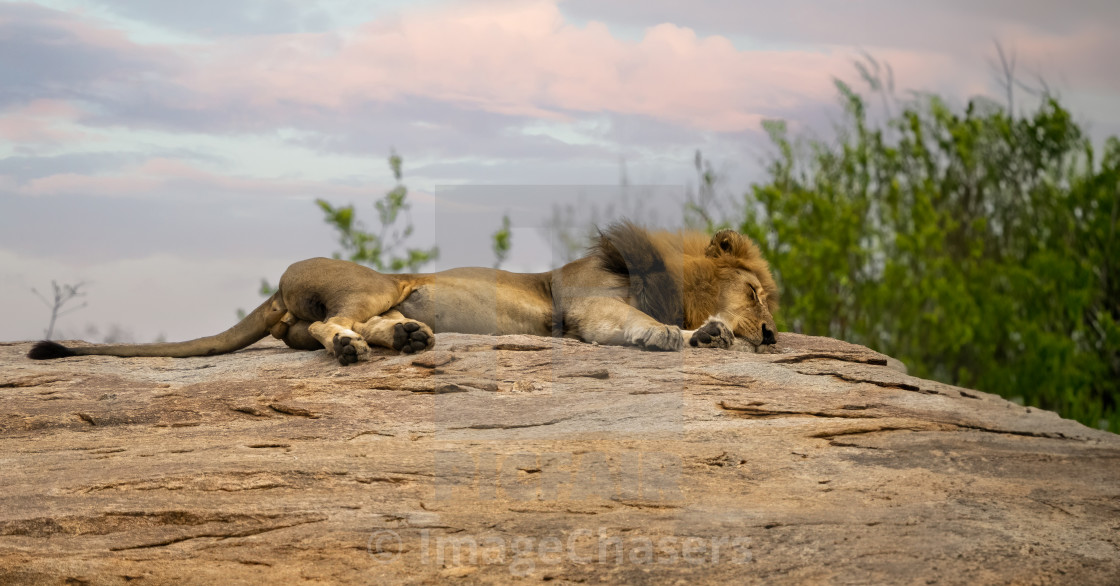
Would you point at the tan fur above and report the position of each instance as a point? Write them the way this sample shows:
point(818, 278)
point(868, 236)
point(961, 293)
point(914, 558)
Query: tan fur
point(724, 283)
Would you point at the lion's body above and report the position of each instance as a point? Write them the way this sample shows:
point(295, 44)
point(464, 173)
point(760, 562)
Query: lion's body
point(649, 289)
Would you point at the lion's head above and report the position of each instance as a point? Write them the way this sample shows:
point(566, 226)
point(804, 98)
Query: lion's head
point(727, 278)
point(723, 277)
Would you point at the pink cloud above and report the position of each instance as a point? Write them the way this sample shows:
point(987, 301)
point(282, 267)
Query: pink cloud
point(511, 58)
point(41, 122)
point(524, 59)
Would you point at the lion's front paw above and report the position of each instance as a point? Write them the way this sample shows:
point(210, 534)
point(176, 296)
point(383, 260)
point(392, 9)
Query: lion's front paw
point(413, 336)
point(666, 338)
point(714, 334)
point(350, 349)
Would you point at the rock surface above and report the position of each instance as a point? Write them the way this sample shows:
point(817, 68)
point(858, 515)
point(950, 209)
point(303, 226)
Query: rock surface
point(539, 459)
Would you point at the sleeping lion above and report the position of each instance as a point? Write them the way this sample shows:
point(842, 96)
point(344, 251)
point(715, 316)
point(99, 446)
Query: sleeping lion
point(636, 287)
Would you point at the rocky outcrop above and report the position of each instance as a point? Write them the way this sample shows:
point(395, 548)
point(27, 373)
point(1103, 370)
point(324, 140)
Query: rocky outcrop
point(493, 459)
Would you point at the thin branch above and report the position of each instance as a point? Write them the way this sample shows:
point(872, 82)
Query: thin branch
point(1007, 71)
point(62, 295)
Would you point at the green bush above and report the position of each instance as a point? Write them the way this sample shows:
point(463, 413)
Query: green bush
point(978, 247)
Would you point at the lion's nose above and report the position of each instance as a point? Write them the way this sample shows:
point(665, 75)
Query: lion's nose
point(768, 335)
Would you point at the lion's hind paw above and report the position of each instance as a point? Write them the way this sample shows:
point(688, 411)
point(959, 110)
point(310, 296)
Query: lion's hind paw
point(412, 336)
point(350, 349)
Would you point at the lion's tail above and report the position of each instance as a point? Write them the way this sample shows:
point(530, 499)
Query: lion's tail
point(255, 326)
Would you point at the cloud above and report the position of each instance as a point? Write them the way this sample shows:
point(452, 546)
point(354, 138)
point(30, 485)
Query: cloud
point(961, 27)
point(437, 129)
point(463, 80)
point(48, 54)
point(1083, 62)
point(42, 121)
point(1069, 47)
point(518, 60)
point(226, 17)
point(487, 84)
point(509, 64)
point(21, 169)
point(170, 177)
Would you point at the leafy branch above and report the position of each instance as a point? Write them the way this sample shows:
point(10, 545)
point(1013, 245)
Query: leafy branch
point(502, 240)
point(379, 249)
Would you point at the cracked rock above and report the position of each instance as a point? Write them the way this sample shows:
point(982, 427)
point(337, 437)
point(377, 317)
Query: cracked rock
point(553, 460)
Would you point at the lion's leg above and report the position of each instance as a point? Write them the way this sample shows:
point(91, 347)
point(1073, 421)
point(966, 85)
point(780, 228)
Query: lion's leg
point(335, 297)
point(295, 333)
point(337, 335)
point(348, 339)
point(393, 330)
point(610, 321)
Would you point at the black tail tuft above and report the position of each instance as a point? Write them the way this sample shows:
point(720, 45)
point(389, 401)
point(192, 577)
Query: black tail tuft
point(46, 350)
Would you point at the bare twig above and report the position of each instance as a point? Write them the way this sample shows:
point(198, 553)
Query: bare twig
point(1006, 75)
point(62, 295)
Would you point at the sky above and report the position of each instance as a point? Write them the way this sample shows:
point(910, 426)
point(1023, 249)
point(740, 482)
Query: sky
point(167, 155)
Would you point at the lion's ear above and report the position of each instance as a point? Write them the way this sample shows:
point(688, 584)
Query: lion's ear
point(723, 242)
